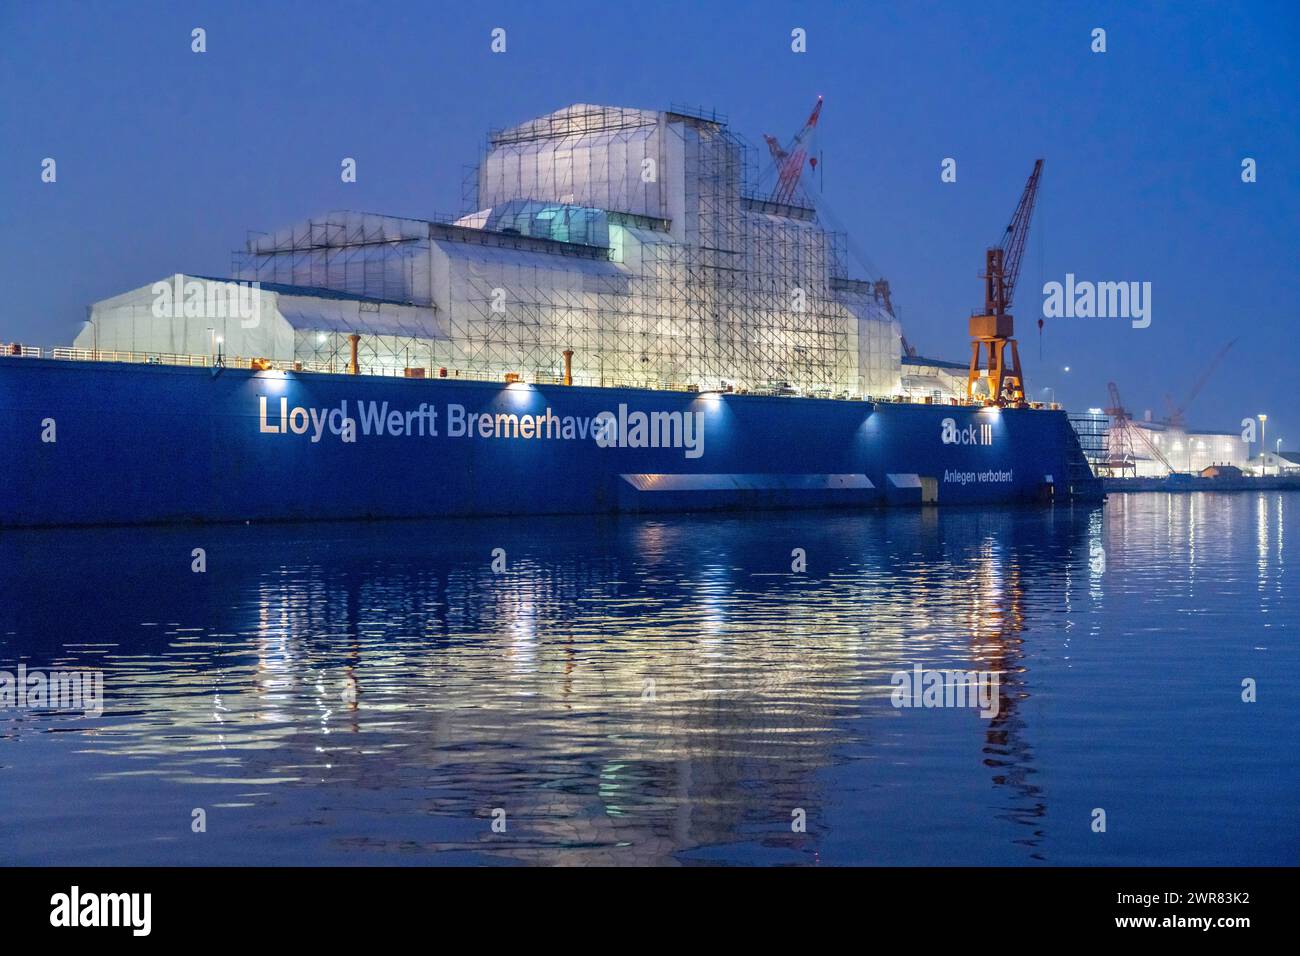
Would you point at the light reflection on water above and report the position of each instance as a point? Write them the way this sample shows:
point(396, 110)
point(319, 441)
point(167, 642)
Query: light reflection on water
point(662, 690)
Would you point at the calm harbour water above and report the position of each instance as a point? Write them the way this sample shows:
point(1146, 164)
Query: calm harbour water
point(369, 693)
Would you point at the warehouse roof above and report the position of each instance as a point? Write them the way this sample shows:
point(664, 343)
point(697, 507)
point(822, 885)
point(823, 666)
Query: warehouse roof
point(308, 313)
point(934, 363)
point(310, 308)
point(315, 292)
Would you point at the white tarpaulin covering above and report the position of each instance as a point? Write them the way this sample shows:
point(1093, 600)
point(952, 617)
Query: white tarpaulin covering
point(628, 237)
point(266, 323)
point(305, 313)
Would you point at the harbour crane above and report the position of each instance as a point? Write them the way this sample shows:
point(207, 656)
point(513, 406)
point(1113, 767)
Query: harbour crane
point(992, 331)
point(1121, 442)
point(789, 170)
point(1178, 413)
point(789, 161)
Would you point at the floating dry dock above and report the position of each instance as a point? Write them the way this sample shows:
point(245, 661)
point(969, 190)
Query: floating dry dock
point(92, 443)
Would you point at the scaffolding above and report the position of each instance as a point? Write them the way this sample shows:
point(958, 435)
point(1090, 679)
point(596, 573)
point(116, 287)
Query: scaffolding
point(1100, 446)
point(628, 236)
point(378, 257)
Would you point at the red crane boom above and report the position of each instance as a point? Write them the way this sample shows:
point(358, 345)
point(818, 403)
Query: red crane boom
point(789, 162)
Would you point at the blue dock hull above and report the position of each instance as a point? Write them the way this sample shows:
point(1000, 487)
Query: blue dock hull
point(104, 443)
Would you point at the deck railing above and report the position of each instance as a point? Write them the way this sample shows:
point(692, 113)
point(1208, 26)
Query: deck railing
point(140, 358)
point(536, 376)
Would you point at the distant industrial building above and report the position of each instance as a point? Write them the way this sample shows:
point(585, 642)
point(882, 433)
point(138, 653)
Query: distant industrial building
point(1187, 451)
point(1221, 471)
point(1193, 450)
point(1275, 463)
point(1119, 447)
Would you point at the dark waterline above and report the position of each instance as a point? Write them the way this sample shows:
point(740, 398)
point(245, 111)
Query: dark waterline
point(370, 693)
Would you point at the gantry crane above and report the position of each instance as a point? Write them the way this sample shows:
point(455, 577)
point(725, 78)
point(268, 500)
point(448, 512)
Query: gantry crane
point(789, 161)
point(993, 330)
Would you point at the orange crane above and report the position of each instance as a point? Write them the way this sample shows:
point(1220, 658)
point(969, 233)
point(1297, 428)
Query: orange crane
point(993, 329)
point(789, 161)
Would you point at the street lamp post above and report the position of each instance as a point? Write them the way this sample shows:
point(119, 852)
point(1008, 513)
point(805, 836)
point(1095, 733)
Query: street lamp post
point(1263, 445)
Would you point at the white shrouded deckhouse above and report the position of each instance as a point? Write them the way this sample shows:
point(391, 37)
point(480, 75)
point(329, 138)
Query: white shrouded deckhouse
point(629, 237)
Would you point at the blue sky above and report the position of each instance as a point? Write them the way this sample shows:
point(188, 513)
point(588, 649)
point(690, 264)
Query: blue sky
point(166, 158)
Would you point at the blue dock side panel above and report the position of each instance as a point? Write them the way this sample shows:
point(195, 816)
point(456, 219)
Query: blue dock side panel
point(108, 443)
point(678, 492)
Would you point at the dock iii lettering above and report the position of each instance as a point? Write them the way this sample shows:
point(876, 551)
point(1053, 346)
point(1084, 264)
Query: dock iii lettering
point(973, 434)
